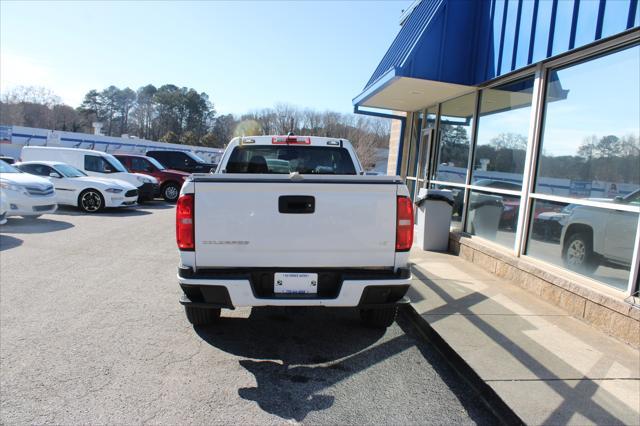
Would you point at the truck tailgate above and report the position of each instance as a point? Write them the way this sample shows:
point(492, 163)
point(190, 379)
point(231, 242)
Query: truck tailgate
point(261, 223)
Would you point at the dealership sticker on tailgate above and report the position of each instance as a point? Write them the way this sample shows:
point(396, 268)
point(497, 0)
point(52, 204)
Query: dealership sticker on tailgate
point(295, 283)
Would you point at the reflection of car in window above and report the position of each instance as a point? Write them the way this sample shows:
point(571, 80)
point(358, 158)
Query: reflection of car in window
point(593, 236)
point(548, 225)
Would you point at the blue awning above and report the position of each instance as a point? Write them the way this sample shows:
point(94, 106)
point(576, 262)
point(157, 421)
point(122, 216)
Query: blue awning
point(430, 60)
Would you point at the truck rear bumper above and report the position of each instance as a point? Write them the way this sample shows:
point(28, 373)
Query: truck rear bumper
point(239, 290)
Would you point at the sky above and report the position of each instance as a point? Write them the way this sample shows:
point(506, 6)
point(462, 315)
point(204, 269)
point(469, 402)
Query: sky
point(244, 55)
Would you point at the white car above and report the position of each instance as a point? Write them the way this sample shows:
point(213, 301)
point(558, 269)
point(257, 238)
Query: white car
point(75, 188)
point(94, 163)
point(26, 195)
point(4, 208)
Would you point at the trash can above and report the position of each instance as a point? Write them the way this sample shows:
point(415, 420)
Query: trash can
point(433, 219)
point(484, 215)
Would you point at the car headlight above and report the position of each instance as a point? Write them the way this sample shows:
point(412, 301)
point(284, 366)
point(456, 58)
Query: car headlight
point(11, 186)
point(114, 190)
point(144, 179)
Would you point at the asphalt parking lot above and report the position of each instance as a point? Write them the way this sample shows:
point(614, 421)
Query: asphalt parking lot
point(91, 332)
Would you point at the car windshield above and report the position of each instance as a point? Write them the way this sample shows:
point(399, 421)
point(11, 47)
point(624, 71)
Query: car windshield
point(6, 168)
point(69, 171)
point(155, 163)
point(194, 157)
point(287, 159)
point(116, 164)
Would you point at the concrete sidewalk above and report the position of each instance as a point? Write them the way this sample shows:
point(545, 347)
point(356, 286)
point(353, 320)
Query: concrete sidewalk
point(547, 366)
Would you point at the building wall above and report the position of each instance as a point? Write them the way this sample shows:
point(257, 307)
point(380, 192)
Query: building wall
point(533, 160)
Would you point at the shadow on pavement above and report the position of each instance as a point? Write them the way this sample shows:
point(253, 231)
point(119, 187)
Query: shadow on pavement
point(297, 353)
point(7, 242)
point(17, 225)
point(109, 212)
point(156, 205)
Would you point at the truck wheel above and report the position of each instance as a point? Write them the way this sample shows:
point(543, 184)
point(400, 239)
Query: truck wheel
point(379, 318)
point(170, 192)
point(90, 201)
point(578, 254)
point(202, 316)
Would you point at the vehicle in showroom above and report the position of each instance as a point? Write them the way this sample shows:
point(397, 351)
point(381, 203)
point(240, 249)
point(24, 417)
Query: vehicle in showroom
point(593, 237)
point(185, 161)
point(94, 163)
point(169, 181)
point(314, 233)
point(76, 188)
point(27, 195)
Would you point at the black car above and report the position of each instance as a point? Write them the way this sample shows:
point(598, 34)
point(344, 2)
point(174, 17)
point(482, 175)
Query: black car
point(182, 160)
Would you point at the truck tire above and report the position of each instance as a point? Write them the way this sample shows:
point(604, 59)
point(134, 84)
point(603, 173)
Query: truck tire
point(202, 316)
point(171, 192)
point(379, 318)
point(578, 254)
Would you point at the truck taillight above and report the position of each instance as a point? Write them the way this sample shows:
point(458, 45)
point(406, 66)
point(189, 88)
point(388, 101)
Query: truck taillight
point(184, 222)
point(404, 224)
point(291, 140)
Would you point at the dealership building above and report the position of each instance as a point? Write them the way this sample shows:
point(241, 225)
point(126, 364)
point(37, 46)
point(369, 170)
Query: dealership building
point(529, 112)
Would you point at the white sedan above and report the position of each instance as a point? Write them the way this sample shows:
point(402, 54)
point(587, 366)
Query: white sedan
point(76, 188)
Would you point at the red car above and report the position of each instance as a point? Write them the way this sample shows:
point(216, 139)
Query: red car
point(170, 181)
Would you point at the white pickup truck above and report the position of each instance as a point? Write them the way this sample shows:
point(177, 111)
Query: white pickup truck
point(292, 221)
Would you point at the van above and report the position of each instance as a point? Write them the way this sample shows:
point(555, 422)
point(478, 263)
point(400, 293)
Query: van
point(93, 163)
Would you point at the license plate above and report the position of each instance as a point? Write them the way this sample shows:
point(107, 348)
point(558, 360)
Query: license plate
point(295, 283)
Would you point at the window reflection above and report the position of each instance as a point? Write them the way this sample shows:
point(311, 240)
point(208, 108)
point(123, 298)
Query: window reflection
point(616, 14)
point(458, 204)
point(503, 127)
point(562, 29)
point(493, 216)
point(414, 147)
point(588, 240)
point(587, 20)
point(509, 36)
point(456, 119)
point(590, 143)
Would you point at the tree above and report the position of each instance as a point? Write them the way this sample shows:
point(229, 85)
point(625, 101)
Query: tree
point(247, 128)
point(170, 137)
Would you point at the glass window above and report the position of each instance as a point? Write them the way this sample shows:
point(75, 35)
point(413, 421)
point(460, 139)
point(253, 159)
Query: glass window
point(456, 120)
point(497, 32)
point(616, 14)
point(140, 164)
point(427, 144)
point(458, 204)
point(591, 241)
point(414, 148)
point(562, 29)
point(503, 128)
point(69, 171)
point(524, 35)
point(278, 159)
point(36, 169)
point(493, 216)
point(587, 21)
point(590, 143)
point(543, 23)
point(95, 163)
point(509, 36)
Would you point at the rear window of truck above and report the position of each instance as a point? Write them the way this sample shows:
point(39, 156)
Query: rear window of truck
point(317, 160)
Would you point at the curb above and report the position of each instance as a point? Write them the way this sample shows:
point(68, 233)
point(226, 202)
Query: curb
point(487, 395)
